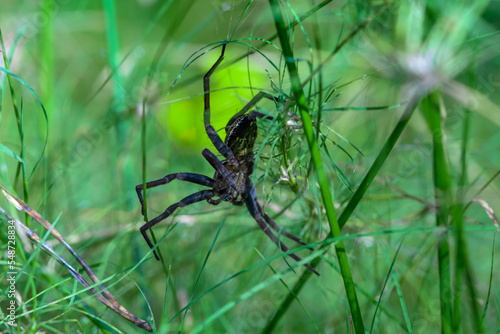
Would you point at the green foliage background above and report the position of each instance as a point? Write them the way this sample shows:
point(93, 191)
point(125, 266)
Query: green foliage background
point(420, 244)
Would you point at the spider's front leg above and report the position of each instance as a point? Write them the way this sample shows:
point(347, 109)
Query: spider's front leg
point(249, 106)
point(212, 134)
point(218, 166)
point(220, 145)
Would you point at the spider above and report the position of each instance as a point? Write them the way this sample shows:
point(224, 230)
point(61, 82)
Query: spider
point(231, 181)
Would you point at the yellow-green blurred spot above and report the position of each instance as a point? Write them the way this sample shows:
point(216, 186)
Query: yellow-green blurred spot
point(230, 91)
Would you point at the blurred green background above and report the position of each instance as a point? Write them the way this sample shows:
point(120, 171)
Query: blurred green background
point(97, 66)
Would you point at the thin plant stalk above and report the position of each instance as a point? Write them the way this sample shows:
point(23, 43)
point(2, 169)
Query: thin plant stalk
point(442, 187)
point(318, 166)
point(458, 211)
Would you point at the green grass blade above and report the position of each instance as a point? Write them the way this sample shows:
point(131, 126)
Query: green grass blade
point(10, 153)
point(461, 257)
point(487, 301)
point(442, 184)
point(24, 83)
point(318, 166)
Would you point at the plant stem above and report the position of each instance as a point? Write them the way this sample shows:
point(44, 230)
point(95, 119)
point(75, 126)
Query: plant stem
point(442, 186)
point(318, 166)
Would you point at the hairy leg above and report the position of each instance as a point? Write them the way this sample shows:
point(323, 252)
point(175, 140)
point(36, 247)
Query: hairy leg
point(253, 208)
point(249, 106)
point(278, 229)
point(212, 134)
point(189, 177)
point(196, 197)
point(218, 166)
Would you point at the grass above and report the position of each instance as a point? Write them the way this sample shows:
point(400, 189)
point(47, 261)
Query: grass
point(326, 195)
point(381, 154)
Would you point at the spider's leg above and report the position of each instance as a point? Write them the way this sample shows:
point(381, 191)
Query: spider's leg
point(218, 166)
point(249, 106)
point(212, 134)
point(189, 177)
point(252, 205)
point(261, 115)
point(214, 201)
point(196, 197)
point(206, 86)
point(278, 229)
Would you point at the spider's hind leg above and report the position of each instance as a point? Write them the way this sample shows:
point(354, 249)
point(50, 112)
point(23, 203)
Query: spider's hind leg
point(254, 209)
point(278, 229)
point(196, 197)
point(189, 177)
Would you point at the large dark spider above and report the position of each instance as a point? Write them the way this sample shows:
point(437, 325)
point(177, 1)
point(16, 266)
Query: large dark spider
point(231, 182)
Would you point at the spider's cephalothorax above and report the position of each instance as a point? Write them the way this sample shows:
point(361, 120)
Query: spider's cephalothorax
point(231, 180)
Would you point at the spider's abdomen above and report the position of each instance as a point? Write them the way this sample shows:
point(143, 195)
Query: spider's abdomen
point(241, 134)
